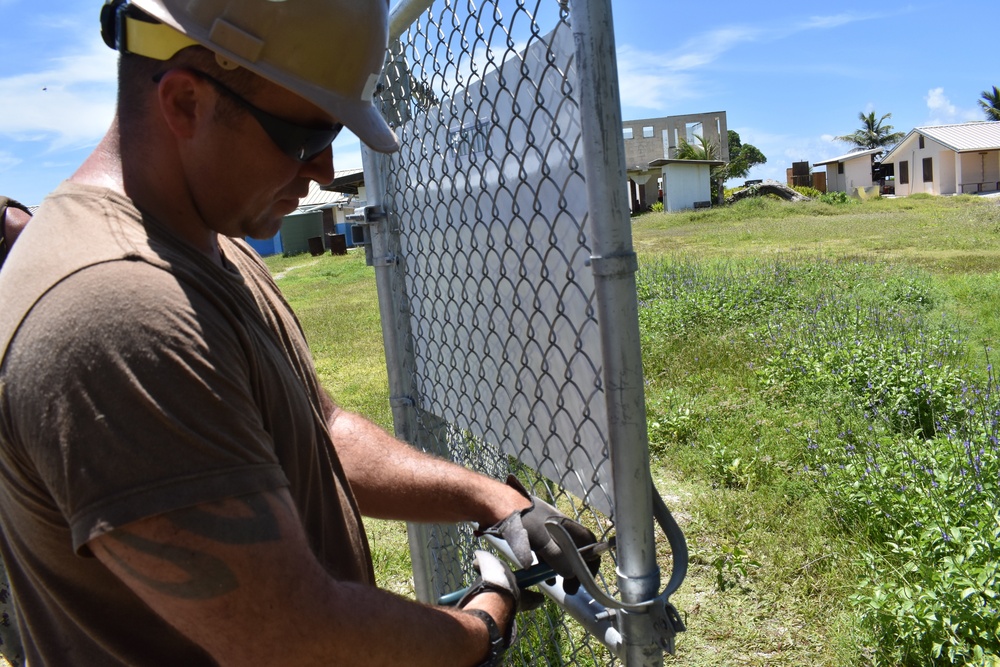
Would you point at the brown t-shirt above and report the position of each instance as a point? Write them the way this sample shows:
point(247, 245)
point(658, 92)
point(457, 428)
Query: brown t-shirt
point(138, 378)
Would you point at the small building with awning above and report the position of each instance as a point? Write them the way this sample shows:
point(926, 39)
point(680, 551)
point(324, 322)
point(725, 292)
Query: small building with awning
point(687, 184)
point(857, 169)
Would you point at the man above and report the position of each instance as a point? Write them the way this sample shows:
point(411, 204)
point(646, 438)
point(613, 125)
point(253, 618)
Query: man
point(13, 217)
point(175, 486)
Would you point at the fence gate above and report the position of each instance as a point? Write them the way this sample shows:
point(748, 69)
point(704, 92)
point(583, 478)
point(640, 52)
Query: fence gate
point(501, 239)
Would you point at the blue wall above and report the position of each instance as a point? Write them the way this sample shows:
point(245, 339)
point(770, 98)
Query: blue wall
point(267, 247)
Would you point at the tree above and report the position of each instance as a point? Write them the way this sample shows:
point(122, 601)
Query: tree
point(702, 149)
point(873, 134)
point(742, 158)
point(991, 103)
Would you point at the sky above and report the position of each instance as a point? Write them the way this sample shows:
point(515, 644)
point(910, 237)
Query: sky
point(790, 76)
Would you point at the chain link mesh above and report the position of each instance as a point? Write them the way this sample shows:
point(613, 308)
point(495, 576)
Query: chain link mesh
point(493, 293)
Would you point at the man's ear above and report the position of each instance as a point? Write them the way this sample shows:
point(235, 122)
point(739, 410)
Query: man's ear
point(184, 102)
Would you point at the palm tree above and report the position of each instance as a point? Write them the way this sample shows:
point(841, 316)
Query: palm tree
point(991, 103)
point(873, 134)
point(704, 150)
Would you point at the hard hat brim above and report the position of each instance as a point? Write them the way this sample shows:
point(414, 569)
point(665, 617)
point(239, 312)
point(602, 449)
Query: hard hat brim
point(367, 124)
point(354, 109)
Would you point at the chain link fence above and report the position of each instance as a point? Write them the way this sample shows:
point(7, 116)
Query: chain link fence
point(505, 291)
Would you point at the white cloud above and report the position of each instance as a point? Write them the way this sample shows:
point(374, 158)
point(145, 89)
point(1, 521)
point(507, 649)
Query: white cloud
point(70, 103)
point(942, 111)
point(834, 21)
point(939, 104)
point(645, 82)
point(8, 161)
point(708, 47)
point(654, 80)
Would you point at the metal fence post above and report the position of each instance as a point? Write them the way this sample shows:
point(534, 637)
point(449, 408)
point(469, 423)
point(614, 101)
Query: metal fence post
point(407, 421)
point(614, 264)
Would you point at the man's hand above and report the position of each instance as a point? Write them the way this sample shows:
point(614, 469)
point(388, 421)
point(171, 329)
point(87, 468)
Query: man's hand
point(525, 532)
point(494, 592)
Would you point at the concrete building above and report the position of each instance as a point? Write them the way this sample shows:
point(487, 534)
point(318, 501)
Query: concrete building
point(649, 140)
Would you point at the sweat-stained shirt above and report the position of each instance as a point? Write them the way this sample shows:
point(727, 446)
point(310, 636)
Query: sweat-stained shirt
point(138, 378)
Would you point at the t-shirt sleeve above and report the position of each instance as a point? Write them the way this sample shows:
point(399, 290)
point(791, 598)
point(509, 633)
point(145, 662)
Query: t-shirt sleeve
point(134, 397)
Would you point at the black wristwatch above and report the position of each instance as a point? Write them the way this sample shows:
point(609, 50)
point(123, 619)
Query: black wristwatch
point(498, 642)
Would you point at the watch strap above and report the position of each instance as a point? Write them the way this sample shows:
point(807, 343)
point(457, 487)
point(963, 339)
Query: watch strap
point(498, 641)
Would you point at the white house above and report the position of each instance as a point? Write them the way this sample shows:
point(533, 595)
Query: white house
point(948, 159)
point(687, 184)
point(847, 173)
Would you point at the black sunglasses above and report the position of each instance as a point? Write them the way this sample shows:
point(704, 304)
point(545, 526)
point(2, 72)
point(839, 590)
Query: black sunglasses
point(300, 142)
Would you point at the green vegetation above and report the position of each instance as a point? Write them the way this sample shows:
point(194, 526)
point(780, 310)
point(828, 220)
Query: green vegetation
point(873, 133)
point(818, 377)
point(807, 191)
point(822, 417)
point(742, 158)
point(989, 102)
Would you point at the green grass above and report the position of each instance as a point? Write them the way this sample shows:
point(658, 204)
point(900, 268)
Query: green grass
point(735, 303)
point(948, 233)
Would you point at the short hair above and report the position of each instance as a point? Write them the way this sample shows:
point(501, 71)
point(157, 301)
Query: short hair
point(135, 82)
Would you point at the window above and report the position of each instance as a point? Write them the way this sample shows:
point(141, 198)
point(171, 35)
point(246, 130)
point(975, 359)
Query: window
point(627, 132)
point(468, 140)
point(920, 140)
point(692, 130)
point(904, 172)
point(928, 169)
point(840, 167)
point(647, 132)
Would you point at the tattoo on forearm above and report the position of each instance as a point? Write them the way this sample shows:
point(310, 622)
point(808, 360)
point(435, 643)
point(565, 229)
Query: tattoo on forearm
point(208, 576)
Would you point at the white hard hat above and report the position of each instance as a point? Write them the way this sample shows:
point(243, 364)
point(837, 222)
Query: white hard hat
point(329, 52)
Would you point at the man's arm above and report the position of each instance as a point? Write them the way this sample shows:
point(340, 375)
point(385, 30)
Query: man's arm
point(238, 578)
point(392, 480)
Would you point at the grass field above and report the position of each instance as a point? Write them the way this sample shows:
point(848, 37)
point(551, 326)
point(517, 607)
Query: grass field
point(822, 417)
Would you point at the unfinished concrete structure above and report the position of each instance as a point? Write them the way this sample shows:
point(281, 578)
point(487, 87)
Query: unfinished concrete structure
point(656, 140)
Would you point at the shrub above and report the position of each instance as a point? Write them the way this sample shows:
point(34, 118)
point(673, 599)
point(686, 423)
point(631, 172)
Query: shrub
point(837, 198)
point(657, 207)
point(808, 191)
point(897, 435)
point(928, 508)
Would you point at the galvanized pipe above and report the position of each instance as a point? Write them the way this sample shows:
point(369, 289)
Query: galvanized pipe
point(614, 265)
point(404, 14)
point(396, 359)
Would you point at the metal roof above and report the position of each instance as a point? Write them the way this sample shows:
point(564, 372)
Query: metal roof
point(665, 161)
point(849, 156)
point(318, 196)
point(348, 181)
point(976, 136)
point(318, 199)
